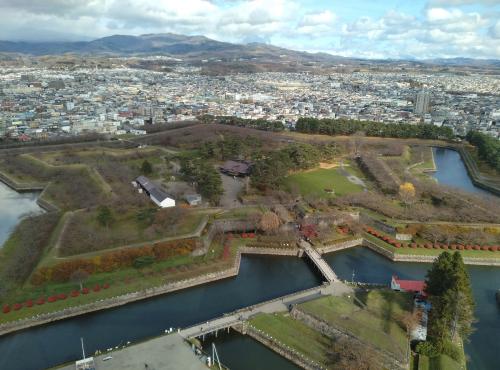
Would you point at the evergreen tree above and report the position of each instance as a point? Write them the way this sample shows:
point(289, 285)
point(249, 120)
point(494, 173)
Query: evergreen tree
point(104, 216)
point(146, 167)
point(459, 300)
point(452, 313)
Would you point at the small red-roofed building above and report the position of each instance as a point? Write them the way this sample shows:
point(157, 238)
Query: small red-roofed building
point(411, 286)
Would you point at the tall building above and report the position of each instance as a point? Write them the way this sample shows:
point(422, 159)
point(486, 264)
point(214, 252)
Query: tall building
point(422, 102)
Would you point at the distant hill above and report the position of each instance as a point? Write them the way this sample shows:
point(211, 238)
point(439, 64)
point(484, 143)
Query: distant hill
point(200, 47)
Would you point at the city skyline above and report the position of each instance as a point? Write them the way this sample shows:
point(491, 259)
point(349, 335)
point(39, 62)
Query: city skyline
point(394, 30)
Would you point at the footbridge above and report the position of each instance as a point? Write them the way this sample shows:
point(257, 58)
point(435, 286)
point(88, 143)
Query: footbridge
point(320, 263)
point(279, 304)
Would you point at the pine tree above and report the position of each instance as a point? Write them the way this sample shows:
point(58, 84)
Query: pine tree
point(440, 275)
point(146, 167)
point(452, 313)
point(460, 300)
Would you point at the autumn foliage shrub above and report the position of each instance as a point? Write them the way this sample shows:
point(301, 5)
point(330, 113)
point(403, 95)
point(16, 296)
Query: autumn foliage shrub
point(40, 301)
point(52, 299)
point(85, 291)
point(6, 308)
point(114, 260)
point(17, 306)
point(75, 293)
point(28, 303)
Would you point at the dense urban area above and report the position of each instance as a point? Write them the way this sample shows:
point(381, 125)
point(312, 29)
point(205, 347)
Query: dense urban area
point(139, 177)
point(39, 102)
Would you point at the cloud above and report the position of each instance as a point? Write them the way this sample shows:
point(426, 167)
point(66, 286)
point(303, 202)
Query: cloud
point(462, 2)
point(440, 28)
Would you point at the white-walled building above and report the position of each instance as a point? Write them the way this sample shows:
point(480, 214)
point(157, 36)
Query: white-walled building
point(157, 195)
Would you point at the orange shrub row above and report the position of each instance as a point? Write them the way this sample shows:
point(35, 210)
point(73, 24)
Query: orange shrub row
point(112, 261)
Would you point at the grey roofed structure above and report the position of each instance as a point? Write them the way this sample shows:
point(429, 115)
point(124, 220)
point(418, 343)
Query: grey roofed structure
point(158, 194)
point(236, 168)
point(145, 183)
point(193, 199)
point(154, 192)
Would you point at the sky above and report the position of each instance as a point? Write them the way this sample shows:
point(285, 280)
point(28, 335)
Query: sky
point(396, 29)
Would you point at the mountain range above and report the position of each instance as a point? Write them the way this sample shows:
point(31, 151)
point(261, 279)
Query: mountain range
point(196, 47)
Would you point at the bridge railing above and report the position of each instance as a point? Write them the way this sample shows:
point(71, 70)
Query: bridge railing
point(249, 308)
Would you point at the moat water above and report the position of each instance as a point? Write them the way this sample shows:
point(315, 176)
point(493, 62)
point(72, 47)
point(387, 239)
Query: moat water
point(451, 171)
point(13, 207)
point(260, 278)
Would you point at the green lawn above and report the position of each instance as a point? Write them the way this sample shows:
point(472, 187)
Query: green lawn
point(423, 362)
point(294, 334)
point(442, 362)
point(371, 317)
point(316, 181)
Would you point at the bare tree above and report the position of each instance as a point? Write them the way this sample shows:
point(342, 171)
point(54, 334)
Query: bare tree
point(269, 222)
point(356, 141)
point(349, 354)
point(79, 276)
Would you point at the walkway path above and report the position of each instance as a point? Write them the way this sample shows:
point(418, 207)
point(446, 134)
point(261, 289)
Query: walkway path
point(275, 305)
point(323, 267)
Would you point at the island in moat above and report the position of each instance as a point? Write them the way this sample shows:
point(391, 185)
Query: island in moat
point(135, 218)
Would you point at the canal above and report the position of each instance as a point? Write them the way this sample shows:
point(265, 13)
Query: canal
point(370, 267)
point(451, 171)
point(13, 207)
point(260, 278)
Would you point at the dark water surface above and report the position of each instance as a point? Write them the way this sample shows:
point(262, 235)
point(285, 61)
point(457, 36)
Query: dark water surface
point(13, 206)
point(484, 346)
point(451, 171)
point(240, 352)
point(260, 278)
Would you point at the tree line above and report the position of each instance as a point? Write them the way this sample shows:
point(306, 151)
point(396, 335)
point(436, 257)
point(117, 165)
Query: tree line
point(343, 126)
point(259, 124)
point(205, 176)
point(270, 168)
point(488, 148)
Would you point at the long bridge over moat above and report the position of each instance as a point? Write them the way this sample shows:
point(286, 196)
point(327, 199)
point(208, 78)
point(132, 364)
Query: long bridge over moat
point(332, 286)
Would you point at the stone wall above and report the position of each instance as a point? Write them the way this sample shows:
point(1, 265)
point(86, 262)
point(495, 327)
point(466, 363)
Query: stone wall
point(283, 350)
point(226, 226)
point(341, 245)
point(378, 249)
point(271, 251)
point(120, 300)
point(388, 359)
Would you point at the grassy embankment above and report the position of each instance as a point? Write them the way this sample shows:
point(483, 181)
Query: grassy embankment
point(441, 362)
point(371, 318)
point(121, 281)
point(52, 168)
point(430, 252)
